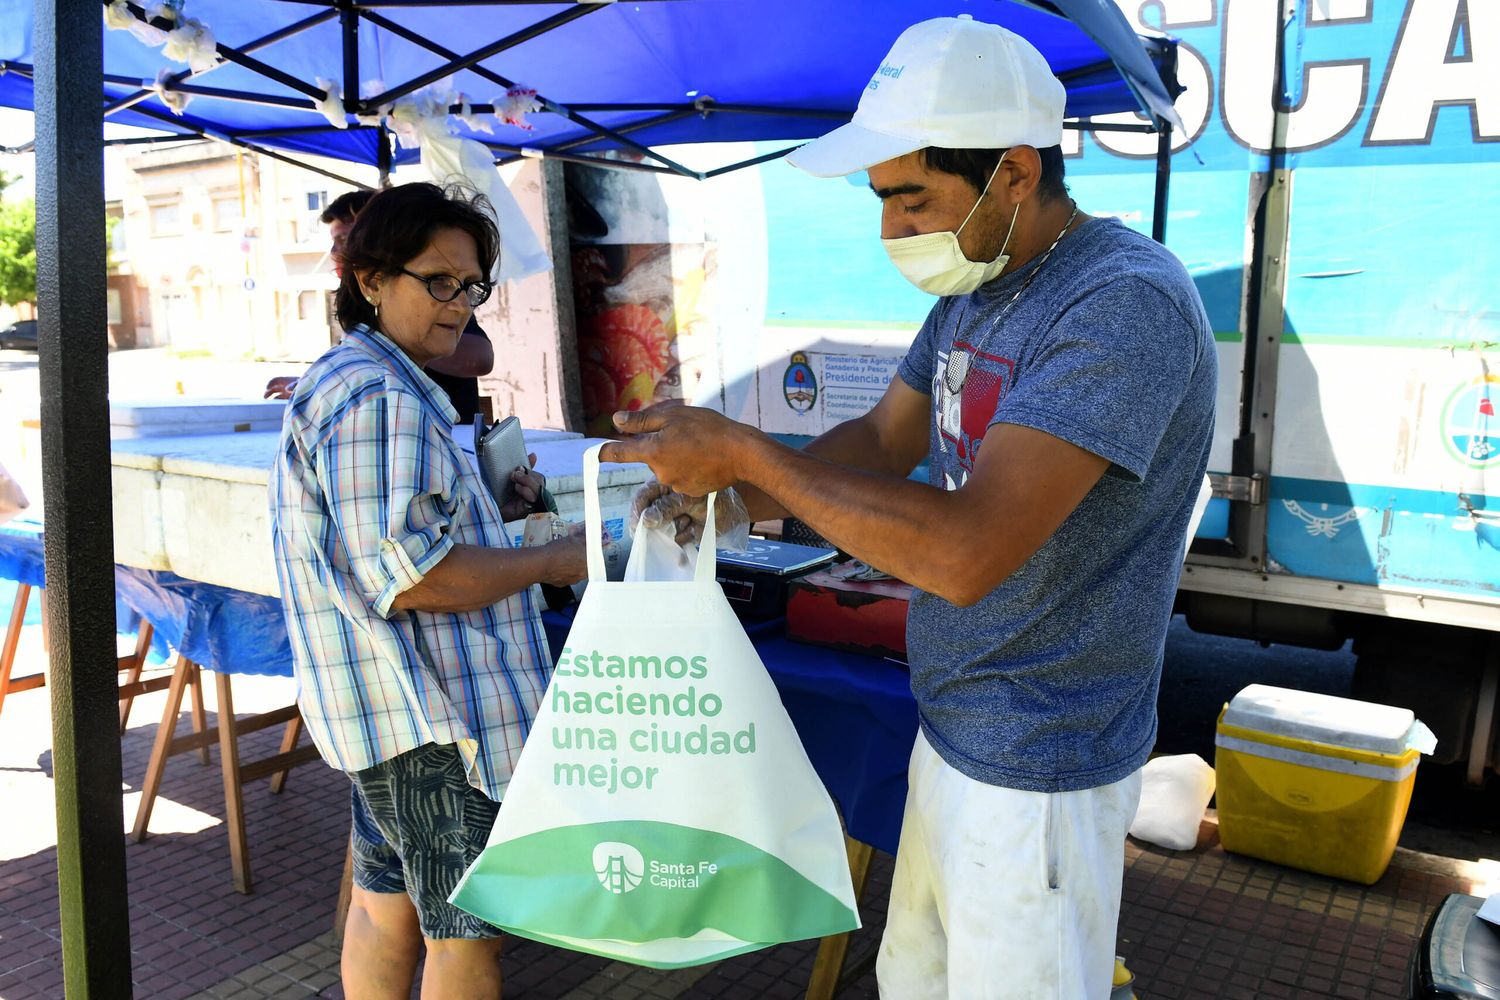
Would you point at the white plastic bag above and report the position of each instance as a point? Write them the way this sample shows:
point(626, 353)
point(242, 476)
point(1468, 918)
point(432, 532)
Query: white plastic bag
point(655, 555)
point(663, 810)
point(1174, 792)
point(449, 158)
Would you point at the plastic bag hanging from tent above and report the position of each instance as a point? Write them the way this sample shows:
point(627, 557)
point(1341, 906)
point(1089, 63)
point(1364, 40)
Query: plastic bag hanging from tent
point(448, 157)
point(422, 122)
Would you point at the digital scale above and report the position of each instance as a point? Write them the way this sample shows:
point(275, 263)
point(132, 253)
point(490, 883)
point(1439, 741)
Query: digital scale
point(756, 580)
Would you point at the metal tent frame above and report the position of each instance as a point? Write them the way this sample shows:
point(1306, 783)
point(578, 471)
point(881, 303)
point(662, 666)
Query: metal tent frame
point(351, 13)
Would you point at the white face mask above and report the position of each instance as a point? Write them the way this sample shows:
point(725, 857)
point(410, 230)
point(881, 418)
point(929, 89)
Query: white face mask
point(935, 263)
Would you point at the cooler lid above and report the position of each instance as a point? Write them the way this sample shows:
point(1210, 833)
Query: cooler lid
point(1321, 718)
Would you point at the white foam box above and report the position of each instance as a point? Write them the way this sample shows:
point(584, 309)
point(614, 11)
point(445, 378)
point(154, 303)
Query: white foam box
point(183, 416)
point(196, 505)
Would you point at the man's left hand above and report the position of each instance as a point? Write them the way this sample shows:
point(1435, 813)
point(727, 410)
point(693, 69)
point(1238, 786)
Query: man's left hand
point(691, 449)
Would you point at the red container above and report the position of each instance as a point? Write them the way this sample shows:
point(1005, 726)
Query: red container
point(860, 617)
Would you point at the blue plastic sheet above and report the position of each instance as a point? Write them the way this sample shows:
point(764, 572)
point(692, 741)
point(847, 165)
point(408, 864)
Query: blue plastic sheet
point(21, 551)
point(788, 56)
point(229, 631)
point(222, 629)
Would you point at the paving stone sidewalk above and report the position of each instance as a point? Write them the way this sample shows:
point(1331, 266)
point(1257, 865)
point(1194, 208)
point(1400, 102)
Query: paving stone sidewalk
point(1194, 924)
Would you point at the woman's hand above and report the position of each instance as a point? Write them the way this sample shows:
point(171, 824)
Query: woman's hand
point(528, 485)
point(567, 558)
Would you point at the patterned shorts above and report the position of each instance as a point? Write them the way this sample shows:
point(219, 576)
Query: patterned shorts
point(418, 825)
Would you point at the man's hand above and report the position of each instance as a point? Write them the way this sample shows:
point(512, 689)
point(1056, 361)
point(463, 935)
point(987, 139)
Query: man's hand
point(281, 387)
point(693, 450)
point(655, 505)
point(528, 485)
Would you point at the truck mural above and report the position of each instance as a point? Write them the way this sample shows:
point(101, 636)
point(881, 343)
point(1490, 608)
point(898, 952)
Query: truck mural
point(1334, 195)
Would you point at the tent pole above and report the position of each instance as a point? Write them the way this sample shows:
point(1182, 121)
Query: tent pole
point(1092, 126)
point(513, 153)
point(349, 38)
point(282, 133)
point(79, 540)
point(1163, 180)
point(258, 150)
point(763, 158)
point(243, 96)
point(563, 147)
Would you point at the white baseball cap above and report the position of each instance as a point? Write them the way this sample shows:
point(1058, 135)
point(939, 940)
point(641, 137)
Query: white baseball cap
point(951, 82)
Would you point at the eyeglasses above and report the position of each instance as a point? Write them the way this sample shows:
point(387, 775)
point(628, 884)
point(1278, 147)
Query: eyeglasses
point(446, 288)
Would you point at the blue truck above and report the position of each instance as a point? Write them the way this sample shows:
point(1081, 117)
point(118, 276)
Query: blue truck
point(1334, 194)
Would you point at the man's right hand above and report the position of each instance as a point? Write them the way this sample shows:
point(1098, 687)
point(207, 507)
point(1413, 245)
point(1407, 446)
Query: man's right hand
point(281, 387)
point(655, 504)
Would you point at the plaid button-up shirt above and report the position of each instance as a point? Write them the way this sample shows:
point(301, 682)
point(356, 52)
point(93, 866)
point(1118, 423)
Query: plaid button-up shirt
point(369, 492)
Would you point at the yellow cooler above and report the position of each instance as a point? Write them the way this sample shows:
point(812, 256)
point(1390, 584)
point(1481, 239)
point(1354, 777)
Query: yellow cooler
point(1315, 782)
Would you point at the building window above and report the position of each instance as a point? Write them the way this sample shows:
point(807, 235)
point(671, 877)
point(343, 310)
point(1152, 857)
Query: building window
point(317, 201)
point(166, 219)
point(310, 306)
point(227, 214)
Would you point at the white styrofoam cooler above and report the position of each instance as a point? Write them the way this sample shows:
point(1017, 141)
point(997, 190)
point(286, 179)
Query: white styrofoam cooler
point(197, 506)
point(180, 416)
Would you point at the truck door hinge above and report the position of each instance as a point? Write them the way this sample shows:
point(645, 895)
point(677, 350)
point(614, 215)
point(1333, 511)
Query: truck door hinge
point(1244, 489)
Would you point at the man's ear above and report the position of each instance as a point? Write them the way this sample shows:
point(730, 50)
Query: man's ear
point(1021, 172)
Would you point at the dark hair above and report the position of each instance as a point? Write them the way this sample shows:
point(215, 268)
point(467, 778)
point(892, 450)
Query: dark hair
point(396, 226)
point(346, 206)
point(976, 165)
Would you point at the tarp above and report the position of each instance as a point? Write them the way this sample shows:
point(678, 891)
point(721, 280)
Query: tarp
point(799, 64)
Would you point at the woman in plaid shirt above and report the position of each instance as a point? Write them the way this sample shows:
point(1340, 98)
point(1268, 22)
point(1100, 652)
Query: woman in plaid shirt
point(420, 656)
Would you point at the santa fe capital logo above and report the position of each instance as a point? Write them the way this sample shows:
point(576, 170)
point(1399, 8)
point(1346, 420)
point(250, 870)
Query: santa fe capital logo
point(619, 866)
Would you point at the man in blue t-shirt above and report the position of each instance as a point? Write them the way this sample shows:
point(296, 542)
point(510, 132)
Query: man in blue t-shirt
point(1062, 389)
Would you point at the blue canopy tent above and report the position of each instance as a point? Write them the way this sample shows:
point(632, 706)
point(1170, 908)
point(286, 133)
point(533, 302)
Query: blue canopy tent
point(608, 77)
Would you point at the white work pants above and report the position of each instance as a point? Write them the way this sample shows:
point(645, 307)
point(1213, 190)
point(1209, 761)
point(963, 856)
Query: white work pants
point(1002, 894)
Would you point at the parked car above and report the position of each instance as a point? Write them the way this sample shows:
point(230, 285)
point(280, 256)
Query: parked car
point(19, 336)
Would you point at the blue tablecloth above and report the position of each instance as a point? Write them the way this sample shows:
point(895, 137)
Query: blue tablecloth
point(223, 629)
point(855, 713)
point(226, 630)
point(21, 551)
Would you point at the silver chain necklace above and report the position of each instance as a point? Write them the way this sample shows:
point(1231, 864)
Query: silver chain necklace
point(957, 371)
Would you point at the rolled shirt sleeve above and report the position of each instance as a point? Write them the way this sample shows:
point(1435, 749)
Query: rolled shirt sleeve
point(392, 493)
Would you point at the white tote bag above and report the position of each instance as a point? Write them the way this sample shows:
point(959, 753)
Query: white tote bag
point(663, 811)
